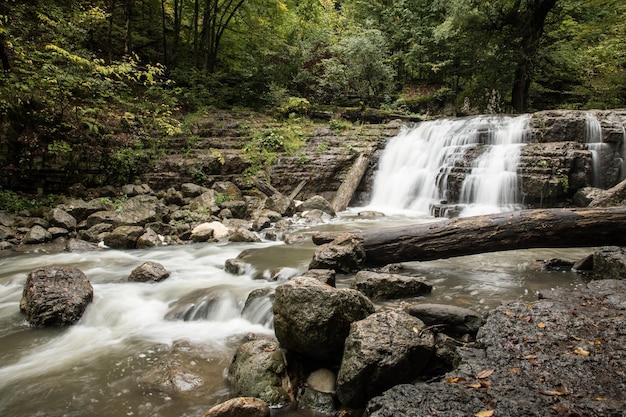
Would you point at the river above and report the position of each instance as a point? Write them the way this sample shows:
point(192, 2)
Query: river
point(93, 367)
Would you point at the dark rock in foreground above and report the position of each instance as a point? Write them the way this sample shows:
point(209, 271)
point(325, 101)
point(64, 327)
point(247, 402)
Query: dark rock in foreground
point(563, 355)
point(389, 286)
point(55, 296)
point(149, 271)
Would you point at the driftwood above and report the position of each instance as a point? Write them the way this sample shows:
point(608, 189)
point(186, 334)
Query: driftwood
point(542, 228)
point(351, 182)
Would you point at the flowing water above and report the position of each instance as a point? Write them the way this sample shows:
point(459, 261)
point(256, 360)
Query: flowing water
point(94, 367)
point(593, 138)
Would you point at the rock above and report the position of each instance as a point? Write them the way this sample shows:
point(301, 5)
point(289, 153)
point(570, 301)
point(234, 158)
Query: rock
point(227, 188)
point(149, 239)
point(291, 238)
point(192, 190)
point(585, 264)
point(321, 402)
point(370, 214)
point(60, 218)
point(382, 350)
point(345, 254)
point(451, 320)
point(326, 276)
point(322, 380)
point(96, 232)
point(204, 202)
point(261, 223)
point(57, 232)
point(186, 369)
point(6, 245)
point(437, 400)
point(314, 319)
point(132, 190)
point(610, 263)
point(259, 370)
point(140, 210)
point(173, 196)
point(78, 245)
point(271, 215)
point(284, 273)
point(614, 196)
point(559, 265)
point(81, 210)
point(37, 234)
point(388, 286)
point(149, 271)
point(124, 237)
point(7, 233)
point(199, 304)
point(317, 202)
point(219, 230)
point(240, 407)
point(315, 216)
point(7, 219)
point(202, 235)
point(100, 217)
point(37, 221)
point(280, 204)
point(238, 208)
point(258, 307)
point(243, 235)
point(236, 266)
point(584, 196)
point(55, 296)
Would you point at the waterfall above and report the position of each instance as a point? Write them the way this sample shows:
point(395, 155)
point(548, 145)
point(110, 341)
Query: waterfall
point(593, 139)
point(469, 163)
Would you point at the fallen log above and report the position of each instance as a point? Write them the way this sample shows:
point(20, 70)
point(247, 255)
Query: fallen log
point(542, 228)
point(351, 182)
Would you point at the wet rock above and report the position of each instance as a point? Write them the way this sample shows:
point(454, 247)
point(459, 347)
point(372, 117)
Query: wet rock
point(240, 407)
point(258, 307)
point(227, 188)
point(7, 233)
point(610, 263)
point(123, 237)
point(271, 215)
point(261, 223)
point(6, 245)
point(314, 319)
point(388, 286)
point(317, 202)
point(201, 235)
point(81, 210)
point(584, 196)
point(325, 276)
point(559, 265)
point(243, 235)
point(345, 254)
point(259, 370)
point(57, 232)
point(95, 233)
point(614, 196)
point(284, 273)
point(140, 210)
point(149, 271)
point(184, 370)
point(7, 219)
point(382, 350)
point(199, 304)
point(451, 320)
point(236, 266)
point(204, 202)
point(55, 296)
point(101, 217)
point(370, 214)
point(37, 234)
point(585, 264)
point(291, 238)
point(173, 196)
point(60, 218)
point(321, 402)
point(315, 216)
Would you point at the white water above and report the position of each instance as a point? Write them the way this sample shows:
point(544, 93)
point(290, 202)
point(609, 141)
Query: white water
point(593, 139)
point(416, 165)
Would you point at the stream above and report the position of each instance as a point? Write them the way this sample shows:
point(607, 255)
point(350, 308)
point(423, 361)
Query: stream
point(93, 367)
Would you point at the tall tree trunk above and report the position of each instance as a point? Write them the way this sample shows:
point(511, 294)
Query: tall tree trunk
point(110, 32)
point(532, 24)
point(178, 13)
point(164, 29)
point(128, 14)
point(4, 55)
point(196, 16)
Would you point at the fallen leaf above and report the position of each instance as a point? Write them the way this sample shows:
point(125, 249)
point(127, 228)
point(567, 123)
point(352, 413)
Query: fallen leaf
point(485, 413)
point(416, 330)
point(453, 380)
point(600, 399)
point(552, 393)
point(485, 374)
point(485, 384)
point(515, 371)
point(508, 313)
point(475, 385)
point(620, 373)
point(541, 325)
point(597, 342)
point(580, 351)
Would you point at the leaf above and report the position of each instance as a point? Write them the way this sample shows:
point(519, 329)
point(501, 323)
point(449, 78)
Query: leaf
point(485, 413)
point(541, 325)
point(552, 393)
point(508, 313)
point(580, 351)
point(515, 371)
point(485, 374)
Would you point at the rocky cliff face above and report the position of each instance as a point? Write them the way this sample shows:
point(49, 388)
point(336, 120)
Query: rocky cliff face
point(553, 166)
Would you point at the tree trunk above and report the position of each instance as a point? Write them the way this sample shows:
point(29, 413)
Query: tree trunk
point(351, 182)
point(128, 14)
point(543, 228)
point(164, 30)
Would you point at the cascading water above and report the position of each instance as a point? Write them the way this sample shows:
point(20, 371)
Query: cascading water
point(593, 138)
point(417, 165)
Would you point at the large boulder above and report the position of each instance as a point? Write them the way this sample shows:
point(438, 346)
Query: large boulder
point(55, 296)
point(314, 319)
point(281, 204)
point(259, 370)
point(388, 286)
point(610, 263)
point(344, 254)
point(140, 210)
point(382, 350)
point(124, 237)
point(37, 234)
point(317, 202)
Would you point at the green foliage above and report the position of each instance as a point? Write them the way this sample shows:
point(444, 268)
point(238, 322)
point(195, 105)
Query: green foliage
point(13, 202)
